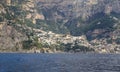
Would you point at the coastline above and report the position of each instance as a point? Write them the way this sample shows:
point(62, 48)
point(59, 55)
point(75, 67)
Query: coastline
point(24, 52)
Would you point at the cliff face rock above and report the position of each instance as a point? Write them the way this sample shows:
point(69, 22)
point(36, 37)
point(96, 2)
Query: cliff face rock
point(11, 27)
point(96, 19)
point(10, 39)
point(31, 9)
point(76, 8)
point(76, 13)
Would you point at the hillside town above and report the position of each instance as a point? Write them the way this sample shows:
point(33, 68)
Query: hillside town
point(94, 25)
point(99, 45)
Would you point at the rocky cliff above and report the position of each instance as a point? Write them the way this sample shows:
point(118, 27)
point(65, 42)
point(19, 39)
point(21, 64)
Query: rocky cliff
point(97, 20)
point(70, 16)
point(13, 30)
point(78, 8)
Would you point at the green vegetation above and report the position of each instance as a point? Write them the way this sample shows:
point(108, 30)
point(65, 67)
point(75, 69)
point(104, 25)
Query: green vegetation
point(31, 43)
point(98, 21)
point(75, 48)
point(78, 48)
point(47, 25)
point(36, 43)
point(104, 22)
point(27, 44)
point(40, 23)
point(109, 41)
point(29, 23)
point(1, 18)
point(117, 40)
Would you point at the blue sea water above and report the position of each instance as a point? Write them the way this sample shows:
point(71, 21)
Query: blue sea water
point(89, 62)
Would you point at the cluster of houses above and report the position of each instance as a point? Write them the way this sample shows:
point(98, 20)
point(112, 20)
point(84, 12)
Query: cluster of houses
point(53, 38)
point(103, 46)
point(100, 46)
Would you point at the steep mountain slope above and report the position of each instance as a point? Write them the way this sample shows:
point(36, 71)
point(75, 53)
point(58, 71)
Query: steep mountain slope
point(98, 20)
point(22, 22)
point(64, 16)
point(13, 29)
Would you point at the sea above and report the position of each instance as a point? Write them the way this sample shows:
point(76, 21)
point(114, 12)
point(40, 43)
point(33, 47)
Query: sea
point(59, 62)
